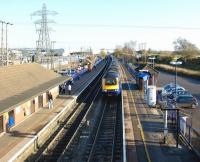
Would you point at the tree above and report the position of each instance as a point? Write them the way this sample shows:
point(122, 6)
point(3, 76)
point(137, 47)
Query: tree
point(184, 48)
point(129, 47)
point(118, 51)
point(103, 53)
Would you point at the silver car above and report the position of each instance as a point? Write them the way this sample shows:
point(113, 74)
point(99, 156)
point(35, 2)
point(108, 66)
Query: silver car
point(186, 101)
point(168, 88)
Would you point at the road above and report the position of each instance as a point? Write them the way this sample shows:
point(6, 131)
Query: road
point(190, 84)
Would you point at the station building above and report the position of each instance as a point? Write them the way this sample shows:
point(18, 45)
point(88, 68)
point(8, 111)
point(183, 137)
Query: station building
point(23, 91)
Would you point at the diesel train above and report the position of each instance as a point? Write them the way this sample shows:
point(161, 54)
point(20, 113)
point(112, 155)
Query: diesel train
point(111, 83)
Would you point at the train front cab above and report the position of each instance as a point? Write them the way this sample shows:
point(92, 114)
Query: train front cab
point(111, 87)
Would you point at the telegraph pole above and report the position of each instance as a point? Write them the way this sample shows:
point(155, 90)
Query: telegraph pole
point(142, 47)
point(7, 55)
point(52, 54)
point(2, 22)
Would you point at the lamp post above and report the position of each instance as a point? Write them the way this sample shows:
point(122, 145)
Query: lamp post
point(152, 58)
point(175, 63)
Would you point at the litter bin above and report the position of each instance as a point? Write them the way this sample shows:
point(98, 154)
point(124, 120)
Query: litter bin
point(151, 96)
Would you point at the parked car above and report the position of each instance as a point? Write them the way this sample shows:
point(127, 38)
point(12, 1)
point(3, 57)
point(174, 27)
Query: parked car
point(168, 88)
point(186, 101)
point(178, 93)
point(172, 90)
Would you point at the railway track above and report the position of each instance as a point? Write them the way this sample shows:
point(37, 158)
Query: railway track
point(107, 142)
point(56, 144)
point(99, 136)
point(102, 139)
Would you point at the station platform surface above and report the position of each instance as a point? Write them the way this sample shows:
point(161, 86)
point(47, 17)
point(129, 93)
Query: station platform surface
point(144, 130)
point(19, 135)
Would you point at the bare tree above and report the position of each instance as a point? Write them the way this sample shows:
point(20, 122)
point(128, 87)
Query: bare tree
point(184, 48)
point(129, 47)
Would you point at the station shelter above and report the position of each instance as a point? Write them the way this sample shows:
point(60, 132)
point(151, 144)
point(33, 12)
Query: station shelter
point(145, 76)
point(23, 91)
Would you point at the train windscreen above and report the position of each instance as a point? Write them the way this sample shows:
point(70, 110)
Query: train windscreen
point(110, 81)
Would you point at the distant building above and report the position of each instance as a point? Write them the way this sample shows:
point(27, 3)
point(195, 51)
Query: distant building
point(80, 53)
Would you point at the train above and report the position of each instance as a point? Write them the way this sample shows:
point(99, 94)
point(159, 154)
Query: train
point(111, 83)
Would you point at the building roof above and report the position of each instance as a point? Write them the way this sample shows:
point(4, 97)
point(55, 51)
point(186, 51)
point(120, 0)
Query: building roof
point(150, 69)
point(19, 83)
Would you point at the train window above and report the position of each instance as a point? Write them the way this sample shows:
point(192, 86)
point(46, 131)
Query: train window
point(110, 81)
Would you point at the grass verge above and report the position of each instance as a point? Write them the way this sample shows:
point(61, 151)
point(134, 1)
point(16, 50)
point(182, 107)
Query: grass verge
point(181, 71)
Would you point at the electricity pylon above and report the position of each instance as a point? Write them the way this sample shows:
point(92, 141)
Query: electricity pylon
point(43, 44)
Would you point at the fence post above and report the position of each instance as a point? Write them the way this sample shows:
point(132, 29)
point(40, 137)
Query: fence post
point(189, 134)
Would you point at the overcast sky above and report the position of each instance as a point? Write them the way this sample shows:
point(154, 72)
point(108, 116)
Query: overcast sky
point(105, 23)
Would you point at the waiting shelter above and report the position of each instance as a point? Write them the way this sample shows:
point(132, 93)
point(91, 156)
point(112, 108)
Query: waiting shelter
point(146, 73)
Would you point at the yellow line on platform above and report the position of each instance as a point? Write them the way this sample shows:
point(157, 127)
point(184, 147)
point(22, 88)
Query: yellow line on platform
point(140, 125)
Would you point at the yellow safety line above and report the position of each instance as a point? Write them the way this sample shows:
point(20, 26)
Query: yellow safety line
point(140, 125)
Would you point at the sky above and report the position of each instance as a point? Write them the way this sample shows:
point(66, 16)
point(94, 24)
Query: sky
point(97, 24)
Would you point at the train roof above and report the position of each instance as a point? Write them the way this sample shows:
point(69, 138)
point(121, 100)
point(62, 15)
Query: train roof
point(114, 65)
point(113, 68)
point(112, 73)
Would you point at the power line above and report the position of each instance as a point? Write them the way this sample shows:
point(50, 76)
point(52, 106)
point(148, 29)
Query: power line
point(131, 26)
point(121, 26)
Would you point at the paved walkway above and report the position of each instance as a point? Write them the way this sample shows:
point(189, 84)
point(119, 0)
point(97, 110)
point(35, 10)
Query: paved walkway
point(145, 139)
point(18, 136)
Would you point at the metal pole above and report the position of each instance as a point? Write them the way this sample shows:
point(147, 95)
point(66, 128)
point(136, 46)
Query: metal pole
point(6, 45)
point(153, 63)
point(165, 127)
point(177, 128)
point(175, 85)
point(2, 39)
point(7, 58)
